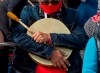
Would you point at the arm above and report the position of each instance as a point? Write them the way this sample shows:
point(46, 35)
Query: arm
point(76, 40)
point(90, 64)
point(73, 41)
point(20, 37)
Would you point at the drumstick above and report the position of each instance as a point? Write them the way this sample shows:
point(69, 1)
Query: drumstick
point(14, 17)
point(30, 2)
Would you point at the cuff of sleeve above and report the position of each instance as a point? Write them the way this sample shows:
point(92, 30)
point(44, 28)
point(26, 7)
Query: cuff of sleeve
point(49, 52)
point(50, 41)
point(53, 38)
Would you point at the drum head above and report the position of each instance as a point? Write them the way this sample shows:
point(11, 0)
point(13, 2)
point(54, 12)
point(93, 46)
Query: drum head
point(49, 25)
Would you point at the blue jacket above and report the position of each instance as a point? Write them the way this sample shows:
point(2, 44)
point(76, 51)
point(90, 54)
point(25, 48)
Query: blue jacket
point(76, 40)
point(90, 61)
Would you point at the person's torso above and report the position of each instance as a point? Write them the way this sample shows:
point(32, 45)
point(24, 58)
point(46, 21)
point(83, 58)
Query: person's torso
point(68, 17)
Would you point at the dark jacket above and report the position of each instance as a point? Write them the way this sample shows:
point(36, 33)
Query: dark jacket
point(76, 40)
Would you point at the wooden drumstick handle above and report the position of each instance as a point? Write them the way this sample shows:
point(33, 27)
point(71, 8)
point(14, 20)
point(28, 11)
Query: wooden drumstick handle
point(14, 17)
point(26, 27)
point(30, 3)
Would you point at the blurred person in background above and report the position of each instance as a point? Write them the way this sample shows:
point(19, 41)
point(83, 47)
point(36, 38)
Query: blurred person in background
point(91, 60)
point(87, 9)
point(5, 29)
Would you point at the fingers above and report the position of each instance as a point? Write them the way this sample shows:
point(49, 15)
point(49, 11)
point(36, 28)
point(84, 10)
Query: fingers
point(41, 37)
point(59, 65)
point(59, 60)
point(63, 65)
point(66, 61)
point(38, 37)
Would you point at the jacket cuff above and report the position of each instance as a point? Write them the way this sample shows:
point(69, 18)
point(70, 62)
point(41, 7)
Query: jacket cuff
point(49, 52)
point(54, 38)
